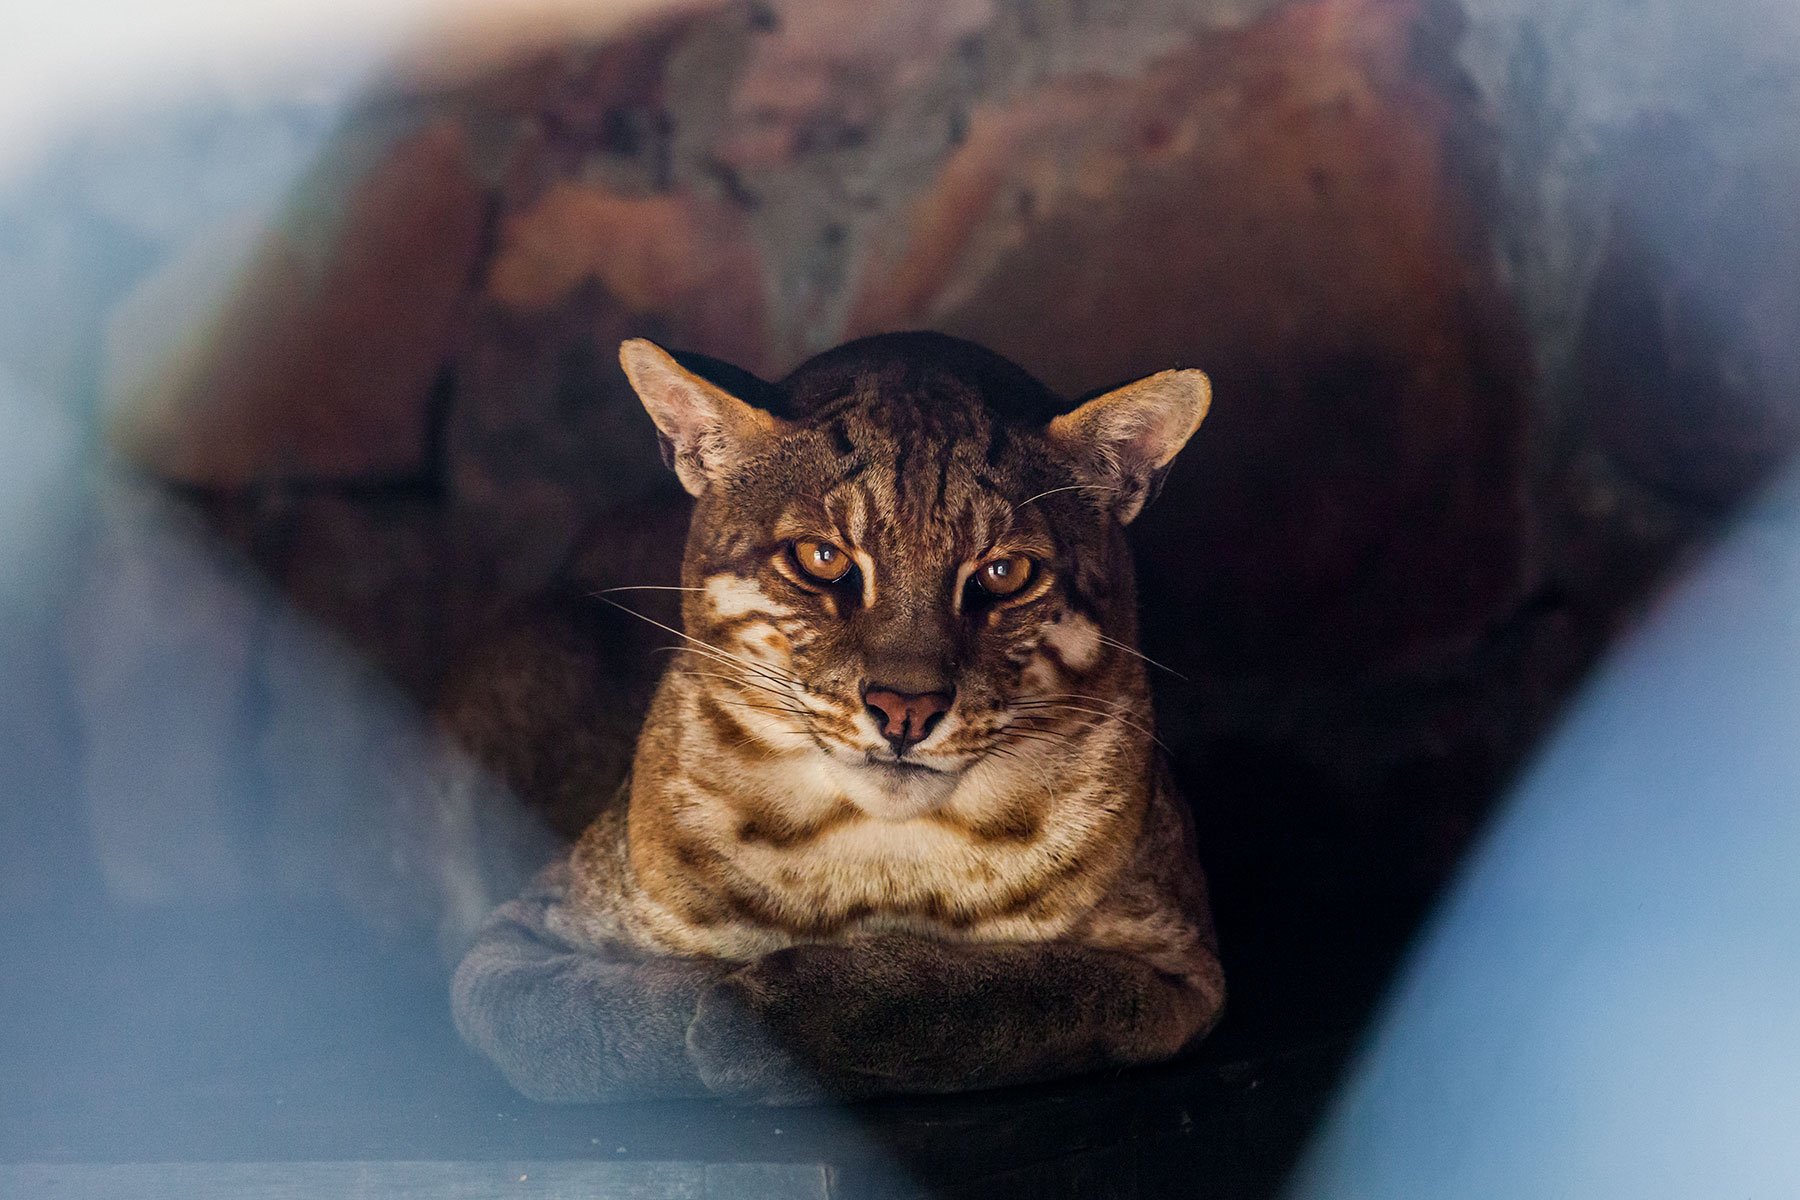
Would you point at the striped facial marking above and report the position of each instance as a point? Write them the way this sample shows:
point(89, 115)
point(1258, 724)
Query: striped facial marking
point(919, 564)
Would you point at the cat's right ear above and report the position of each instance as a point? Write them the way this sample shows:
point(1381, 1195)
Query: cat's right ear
point(1122, 442)
point(705, 430)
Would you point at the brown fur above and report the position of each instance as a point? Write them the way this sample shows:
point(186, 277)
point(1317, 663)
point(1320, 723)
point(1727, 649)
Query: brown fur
point(1014, 896)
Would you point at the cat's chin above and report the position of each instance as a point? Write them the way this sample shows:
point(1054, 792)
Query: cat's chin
point(890, 789)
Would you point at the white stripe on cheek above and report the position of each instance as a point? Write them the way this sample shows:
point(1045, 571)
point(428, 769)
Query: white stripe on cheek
point(852, 529)
point(733, 596)
point(867, 565)
point(765, 644)
point(1076, 641)
point(962, 582)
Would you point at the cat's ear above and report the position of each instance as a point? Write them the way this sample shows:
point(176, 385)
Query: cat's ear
point(1123, 441)
point(704, 429)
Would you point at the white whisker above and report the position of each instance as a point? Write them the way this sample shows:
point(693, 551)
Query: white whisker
point(1116, 644)
point(751, 665)
point(739, 679)
point(643, 587)
point(1114, 715)
point(1071, 487)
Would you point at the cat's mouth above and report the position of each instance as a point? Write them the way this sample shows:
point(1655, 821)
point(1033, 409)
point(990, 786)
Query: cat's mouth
point(900, 766)
point(889, 787)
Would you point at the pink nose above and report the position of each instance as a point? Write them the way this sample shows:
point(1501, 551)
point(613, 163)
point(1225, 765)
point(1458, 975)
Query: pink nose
point(903, 718)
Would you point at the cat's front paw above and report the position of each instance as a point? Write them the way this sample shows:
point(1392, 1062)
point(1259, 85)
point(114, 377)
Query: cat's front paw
point(755, 1037)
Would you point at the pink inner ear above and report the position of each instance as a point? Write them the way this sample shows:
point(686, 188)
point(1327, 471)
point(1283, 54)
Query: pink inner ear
point(1170, 408)
point(698, 423)
point(1142, 433)
point(1148, 431)
point(676, 404)
point(686, 410)
point(1141, 426)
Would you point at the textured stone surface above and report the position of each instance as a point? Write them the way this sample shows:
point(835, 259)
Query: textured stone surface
point(545, 436)
point(539, 398)
point(675, 256)
point(818, 77)
point(1283, 208)
point(1688, 359)
point(372, 569)
point(309, 350)
point(1641, 216)
point(825, 120)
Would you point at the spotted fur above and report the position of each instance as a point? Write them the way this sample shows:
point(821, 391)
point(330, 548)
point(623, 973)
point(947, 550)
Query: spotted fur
point(810, 869)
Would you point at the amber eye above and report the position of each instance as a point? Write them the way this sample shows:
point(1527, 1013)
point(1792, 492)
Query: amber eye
point(1004, 576)
point(821, 560)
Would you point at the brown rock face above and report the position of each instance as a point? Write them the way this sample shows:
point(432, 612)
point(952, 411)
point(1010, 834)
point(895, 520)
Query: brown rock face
point(321, 361)
point(674, 258)
point(824, 73)
point(1283, 207)
point(1689, 361)
point(374, 572)
point(545, 434)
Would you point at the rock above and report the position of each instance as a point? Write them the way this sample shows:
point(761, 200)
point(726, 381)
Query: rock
point(825, 120)
point(374, 571)
point(1403, 532)
point(1642, 214)
point(677, 258)
point(1688, 362)
point(1284, 206)
point(309, 351)
point(493, 53)
point(819, 75)
point(544, 433)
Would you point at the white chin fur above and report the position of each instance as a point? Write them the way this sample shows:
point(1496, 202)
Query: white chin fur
point(888, 794)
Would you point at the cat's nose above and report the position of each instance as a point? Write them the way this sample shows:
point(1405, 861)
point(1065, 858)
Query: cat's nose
point(906, 718)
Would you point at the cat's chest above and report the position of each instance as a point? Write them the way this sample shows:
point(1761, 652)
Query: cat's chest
point(883, 876)
point(737, 887)
point(926, 867)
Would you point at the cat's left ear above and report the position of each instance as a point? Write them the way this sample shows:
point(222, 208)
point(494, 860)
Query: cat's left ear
point(704, 429)
point(1123, 441)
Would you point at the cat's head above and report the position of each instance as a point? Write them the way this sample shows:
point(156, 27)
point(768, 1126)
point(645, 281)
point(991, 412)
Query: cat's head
point(907, 559)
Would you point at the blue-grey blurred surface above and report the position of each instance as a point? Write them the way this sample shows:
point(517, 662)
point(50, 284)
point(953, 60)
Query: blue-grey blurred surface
point(1606, 1006)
